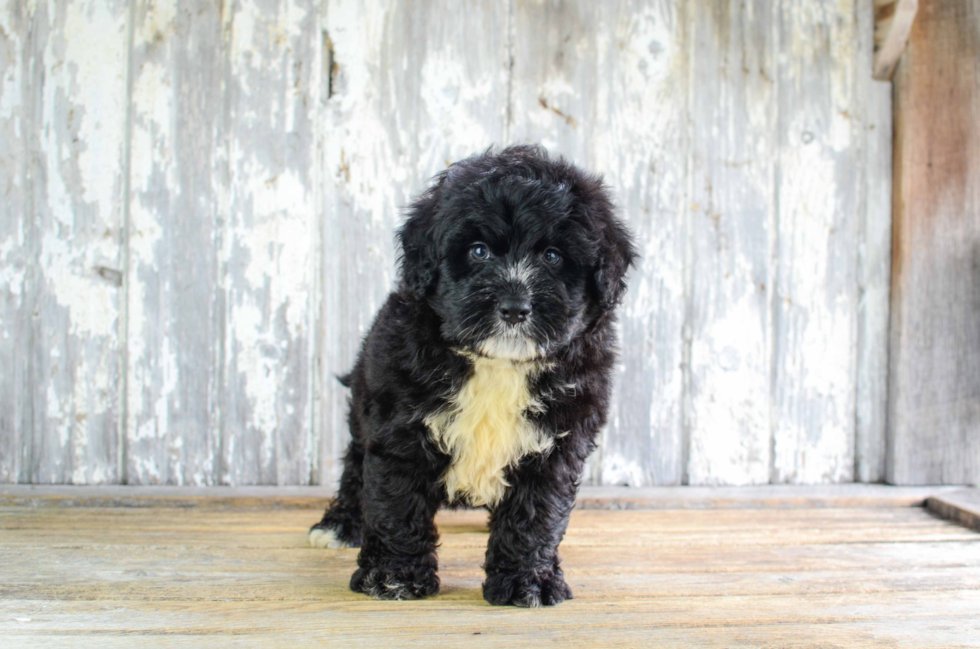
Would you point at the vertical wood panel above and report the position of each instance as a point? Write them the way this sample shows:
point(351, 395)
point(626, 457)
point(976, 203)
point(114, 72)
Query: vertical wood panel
point(934, 391)
point(269, 244)
point(174, 302)
point(604, 85)
point(874, 257)
point(76, 62)
point(272, 151)
point(641, 143)
point(815, 303)
point(733, 223)
point(15, 261)
point(554, 50)
point(414, 87)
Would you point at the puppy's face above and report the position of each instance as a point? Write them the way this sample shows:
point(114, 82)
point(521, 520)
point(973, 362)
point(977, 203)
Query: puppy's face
point(514, 269)
point(516, 262)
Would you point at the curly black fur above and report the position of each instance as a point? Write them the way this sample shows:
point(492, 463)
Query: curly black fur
point(525, 208)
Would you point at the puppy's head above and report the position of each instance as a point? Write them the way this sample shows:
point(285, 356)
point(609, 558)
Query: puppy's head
point(517, 253)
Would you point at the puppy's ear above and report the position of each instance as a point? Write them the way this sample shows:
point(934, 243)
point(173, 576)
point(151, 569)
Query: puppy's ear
point(419, 247)
point(616, 254)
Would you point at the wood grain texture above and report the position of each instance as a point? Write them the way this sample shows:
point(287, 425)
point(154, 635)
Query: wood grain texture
point(934, 394)
point(174, 301)
point(269, 241)
point(589, 497)
point(961, 506)
point(893, 22)
point(816, 293)
point(16, 263)
point(642, 145)
point(74, 101)
point(413, 88)
point(605, 87)
point(874, 100)
point(746, 578)
point(733, 223)
point(192, 258)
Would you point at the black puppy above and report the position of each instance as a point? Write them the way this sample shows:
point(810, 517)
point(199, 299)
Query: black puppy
point(485, 377)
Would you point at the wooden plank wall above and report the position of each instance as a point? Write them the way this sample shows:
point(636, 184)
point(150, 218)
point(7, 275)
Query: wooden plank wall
point(934, 404)
point(200, 200)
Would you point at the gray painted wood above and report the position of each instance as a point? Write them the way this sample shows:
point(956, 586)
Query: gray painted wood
point(174, 299)
point(250, 162)
point(15, 243)
point(934, 391)
point(602, 85)
point(269, 241)
point(414, 88)
point(780, 496)
point(641, 143)
point(71, 113)
point(874, 261)
point(815, 302)
point(733, 224)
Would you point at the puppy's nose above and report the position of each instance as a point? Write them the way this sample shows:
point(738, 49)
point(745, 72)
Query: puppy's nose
point(514, 310)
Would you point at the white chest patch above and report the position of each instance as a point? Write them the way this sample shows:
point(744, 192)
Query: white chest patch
point(484, 429)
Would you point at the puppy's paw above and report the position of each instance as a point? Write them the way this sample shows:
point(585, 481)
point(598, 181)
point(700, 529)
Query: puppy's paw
point(528, 589)
point(324, 537)
point(395, 582)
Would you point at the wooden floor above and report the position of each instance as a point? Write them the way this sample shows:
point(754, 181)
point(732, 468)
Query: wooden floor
point(198, 576)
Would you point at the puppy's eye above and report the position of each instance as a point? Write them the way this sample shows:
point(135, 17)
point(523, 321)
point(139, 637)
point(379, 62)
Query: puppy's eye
point(552, 257)
point(480, 251)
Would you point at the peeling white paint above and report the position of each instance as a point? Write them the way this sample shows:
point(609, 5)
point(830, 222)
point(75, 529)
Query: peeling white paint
point(13, 269)
point(750, 284)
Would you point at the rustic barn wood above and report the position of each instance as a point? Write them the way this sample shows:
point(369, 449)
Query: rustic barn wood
point(874, 267)
point(850, 577)
point(734, 226)
point(199, 203)
point(893, 22)
point(269, 242)
point(16, 241)
point(413, 87)
point(316, 497)
point(934, 391)
point(63, 106)
point(962, 506)
point(173, 293)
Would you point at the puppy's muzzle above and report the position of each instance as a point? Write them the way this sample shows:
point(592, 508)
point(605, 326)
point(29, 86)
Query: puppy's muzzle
point(514, 310)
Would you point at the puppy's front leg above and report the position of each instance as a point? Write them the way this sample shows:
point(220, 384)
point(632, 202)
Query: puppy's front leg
point(522, 562)
point(398, 546)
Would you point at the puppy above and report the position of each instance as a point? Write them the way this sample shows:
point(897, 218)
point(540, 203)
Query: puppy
point(485, 377)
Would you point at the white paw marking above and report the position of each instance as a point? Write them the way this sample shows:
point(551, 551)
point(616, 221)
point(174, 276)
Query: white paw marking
point(320, 538)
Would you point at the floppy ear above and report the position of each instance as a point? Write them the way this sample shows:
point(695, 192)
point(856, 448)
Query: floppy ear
point(616, 254)
point(419, 248)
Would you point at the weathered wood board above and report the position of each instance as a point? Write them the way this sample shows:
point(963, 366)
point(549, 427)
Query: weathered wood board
point(15, 236)
point(224, 244)
point(64, 106)
point(850, 577)
point(192, 258)
point(413, 87)
point(815, 303)
point(733, 222)
point(874, 264)
point(934, 394)
point(269, 251)
point(173, 295)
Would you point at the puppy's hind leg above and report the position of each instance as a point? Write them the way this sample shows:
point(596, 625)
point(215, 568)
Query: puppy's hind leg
point(342, 522)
